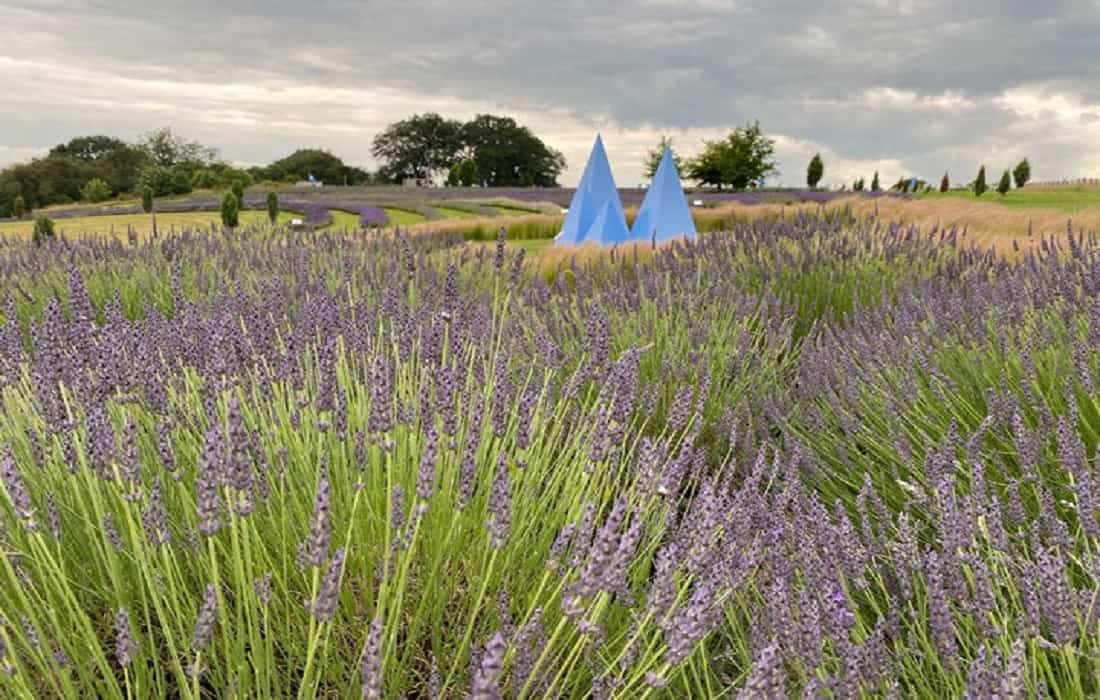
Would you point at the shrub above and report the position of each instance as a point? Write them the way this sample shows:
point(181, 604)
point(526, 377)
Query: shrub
point(18, 207)
point(231, 209)
point(147, 199)
point(273, 207)
point(874, 183)
point(237, 187)
point(1022, 173)
point(1005, 183)
point(815, 171)
point(43, 229)
point(945, 183)
point(979, 183)
point(95, 190)
point(204, 179)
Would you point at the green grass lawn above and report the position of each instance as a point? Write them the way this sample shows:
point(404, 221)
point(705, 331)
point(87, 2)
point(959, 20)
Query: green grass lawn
point(343, 219)
point(403, 217)
point(451, 213)
point(533, 245)
point(512, 211)
point(142, 223)
point(1069, 199)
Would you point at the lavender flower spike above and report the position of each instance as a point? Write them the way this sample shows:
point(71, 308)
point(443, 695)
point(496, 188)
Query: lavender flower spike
point(371, 668)
point(125, 646)
point(208, 616)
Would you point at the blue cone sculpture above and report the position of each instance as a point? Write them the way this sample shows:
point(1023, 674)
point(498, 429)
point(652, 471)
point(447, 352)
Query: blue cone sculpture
point(595, 212)
point(664, 213)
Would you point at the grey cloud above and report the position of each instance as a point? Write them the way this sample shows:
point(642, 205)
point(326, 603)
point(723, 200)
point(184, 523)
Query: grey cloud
point(807, 71)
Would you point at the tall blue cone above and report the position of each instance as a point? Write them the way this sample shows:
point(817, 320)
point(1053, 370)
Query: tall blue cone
point(609, 226)
point(664, 213)
point(595, 192)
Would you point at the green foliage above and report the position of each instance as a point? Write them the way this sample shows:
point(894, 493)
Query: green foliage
point(114, 161)
point(166, 180)
point(815, 171)
point(945, 183)
point(166, 149)
point(273, 207)
point(463, 173)
point(205, 179)
point(653, 158)
point(43, 229)
point(509, 155)
point(743, 159)
point(18, 207)
point(147, 199)
point(95, 190)
point(506, 154)
point(858, 185)
point(875, 187)
point(320, 163)
point(1022, 173)
point(1005, 184)
point(237, 188)
point(231, 210)
point(420, 146)
point(979, 183)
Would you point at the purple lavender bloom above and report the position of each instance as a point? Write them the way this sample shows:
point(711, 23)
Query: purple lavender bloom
point(500, 506)
point(211, 467)
point(208, 616)
point(492, 663)
point(371, 667)
point(17, 491)
point(125, 646)
point(328, 596)
point(320, 533)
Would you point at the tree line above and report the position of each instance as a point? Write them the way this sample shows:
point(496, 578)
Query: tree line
point(488, 150)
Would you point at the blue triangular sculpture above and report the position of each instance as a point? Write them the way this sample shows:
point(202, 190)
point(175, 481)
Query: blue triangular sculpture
point(664, 213)
point(609, 226)
point(596, 198)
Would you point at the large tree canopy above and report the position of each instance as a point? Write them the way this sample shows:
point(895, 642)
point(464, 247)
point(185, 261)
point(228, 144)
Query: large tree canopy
point(742, 159)
point(503, 153)
point(114, 161)
point(421, 146)
point(509, 155)
point(323, 165)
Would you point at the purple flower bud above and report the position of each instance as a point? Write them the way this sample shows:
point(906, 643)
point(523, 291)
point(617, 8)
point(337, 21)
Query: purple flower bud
point(492, 663)
point(208, 616)
point(371, 667)
point(329, 594)
point(125, 646)
point(500, 506)
point(207, 499)
point(17, 491)
point(316, 546)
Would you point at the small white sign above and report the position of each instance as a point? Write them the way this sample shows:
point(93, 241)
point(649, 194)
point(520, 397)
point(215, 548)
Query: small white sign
point(295, 222)
point(697, 203)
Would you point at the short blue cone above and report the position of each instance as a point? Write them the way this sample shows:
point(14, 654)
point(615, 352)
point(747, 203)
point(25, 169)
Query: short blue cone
point(664, 213)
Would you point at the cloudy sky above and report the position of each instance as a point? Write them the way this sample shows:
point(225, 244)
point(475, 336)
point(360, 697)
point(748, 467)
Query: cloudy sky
point(904, 87)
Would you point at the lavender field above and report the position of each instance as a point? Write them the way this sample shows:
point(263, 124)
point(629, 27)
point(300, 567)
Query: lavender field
point(820, 457)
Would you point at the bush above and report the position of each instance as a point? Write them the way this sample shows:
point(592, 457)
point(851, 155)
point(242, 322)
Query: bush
point(43, 229)
point(231, 209)
point(1022, 173)
point(204, 179)
point(273, 207)
point(95, 190)
point(945, 183)
point(815, 171)
point(874, 183)
point(147, 199)
point(18, 207)
point(237, 187)
point(1005, 183)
